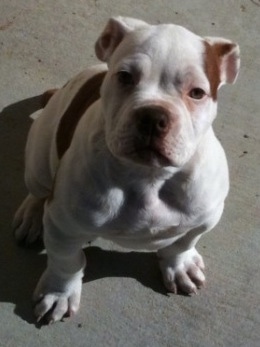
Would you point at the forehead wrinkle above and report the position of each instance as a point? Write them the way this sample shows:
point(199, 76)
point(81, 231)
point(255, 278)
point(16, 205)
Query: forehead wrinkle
point(171, 50)
point(160, 42)
point(177, 61)
point(173, 45)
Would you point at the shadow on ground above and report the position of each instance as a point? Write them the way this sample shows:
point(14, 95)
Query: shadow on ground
point(21, 268)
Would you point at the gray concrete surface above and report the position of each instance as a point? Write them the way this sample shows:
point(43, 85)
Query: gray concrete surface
point(42, 44)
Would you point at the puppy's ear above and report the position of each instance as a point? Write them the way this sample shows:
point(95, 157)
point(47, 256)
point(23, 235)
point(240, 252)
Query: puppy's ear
point(113, 34)
point(225, 53)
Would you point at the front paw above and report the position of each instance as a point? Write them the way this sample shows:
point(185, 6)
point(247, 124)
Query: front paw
point(56, 297)
point(183, 272)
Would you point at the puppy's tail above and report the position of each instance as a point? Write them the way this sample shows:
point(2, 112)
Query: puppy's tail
point(42, 101)
point(46, 96)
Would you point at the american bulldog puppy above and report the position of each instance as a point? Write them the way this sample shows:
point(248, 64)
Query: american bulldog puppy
point(126, 151)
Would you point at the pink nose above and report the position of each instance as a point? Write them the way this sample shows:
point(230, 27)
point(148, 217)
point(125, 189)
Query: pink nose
point(152, 121)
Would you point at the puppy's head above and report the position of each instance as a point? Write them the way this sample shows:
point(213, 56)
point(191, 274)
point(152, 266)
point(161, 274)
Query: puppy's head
point(160, 93)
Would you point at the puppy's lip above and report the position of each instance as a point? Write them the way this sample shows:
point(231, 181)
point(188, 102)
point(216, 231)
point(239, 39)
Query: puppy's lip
point(149, 155)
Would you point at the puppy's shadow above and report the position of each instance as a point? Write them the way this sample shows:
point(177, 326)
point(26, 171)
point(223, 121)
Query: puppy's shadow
point(14, 126)
point(139, 265)
point(20, 269)
point(23, 108)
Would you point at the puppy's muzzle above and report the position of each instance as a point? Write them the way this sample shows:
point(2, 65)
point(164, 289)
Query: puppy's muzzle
point(152, 123)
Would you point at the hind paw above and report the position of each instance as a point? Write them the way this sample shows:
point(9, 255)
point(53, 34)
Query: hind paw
point(27, 223)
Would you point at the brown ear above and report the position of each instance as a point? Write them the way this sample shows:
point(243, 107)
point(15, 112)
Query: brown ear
point(113, 34)
point(227, 57)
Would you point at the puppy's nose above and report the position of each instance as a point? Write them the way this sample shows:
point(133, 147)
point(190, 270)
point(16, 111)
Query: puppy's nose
point(152, 121)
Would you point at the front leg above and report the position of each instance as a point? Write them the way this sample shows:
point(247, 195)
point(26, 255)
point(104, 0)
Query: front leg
point(181, 265)
point(58, 292)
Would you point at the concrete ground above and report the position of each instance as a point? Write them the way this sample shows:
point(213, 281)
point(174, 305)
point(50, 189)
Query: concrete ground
point(42, 44)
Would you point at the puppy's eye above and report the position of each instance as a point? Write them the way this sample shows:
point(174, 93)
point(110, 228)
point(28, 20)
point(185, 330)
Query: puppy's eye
point(197, 93)
point(125, 78)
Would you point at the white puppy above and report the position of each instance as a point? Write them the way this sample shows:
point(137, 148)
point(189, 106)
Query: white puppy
point(126, 151)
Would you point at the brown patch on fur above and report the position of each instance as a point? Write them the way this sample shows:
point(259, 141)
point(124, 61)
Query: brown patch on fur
point(213, 55)
point(212, 69)
point(86, 96)
point(46, 96)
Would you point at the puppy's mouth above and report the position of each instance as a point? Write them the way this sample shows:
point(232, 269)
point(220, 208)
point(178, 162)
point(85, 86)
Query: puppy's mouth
point(149, 155)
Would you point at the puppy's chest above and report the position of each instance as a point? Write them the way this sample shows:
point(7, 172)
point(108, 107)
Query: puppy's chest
point(134, 212)
point(141, 211)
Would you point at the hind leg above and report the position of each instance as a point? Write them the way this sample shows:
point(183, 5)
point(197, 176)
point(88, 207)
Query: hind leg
point(40, 164)
point(27, 223)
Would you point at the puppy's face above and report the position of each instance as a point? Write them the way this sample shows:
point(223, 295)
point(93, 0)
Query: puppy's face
point(159, 95)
